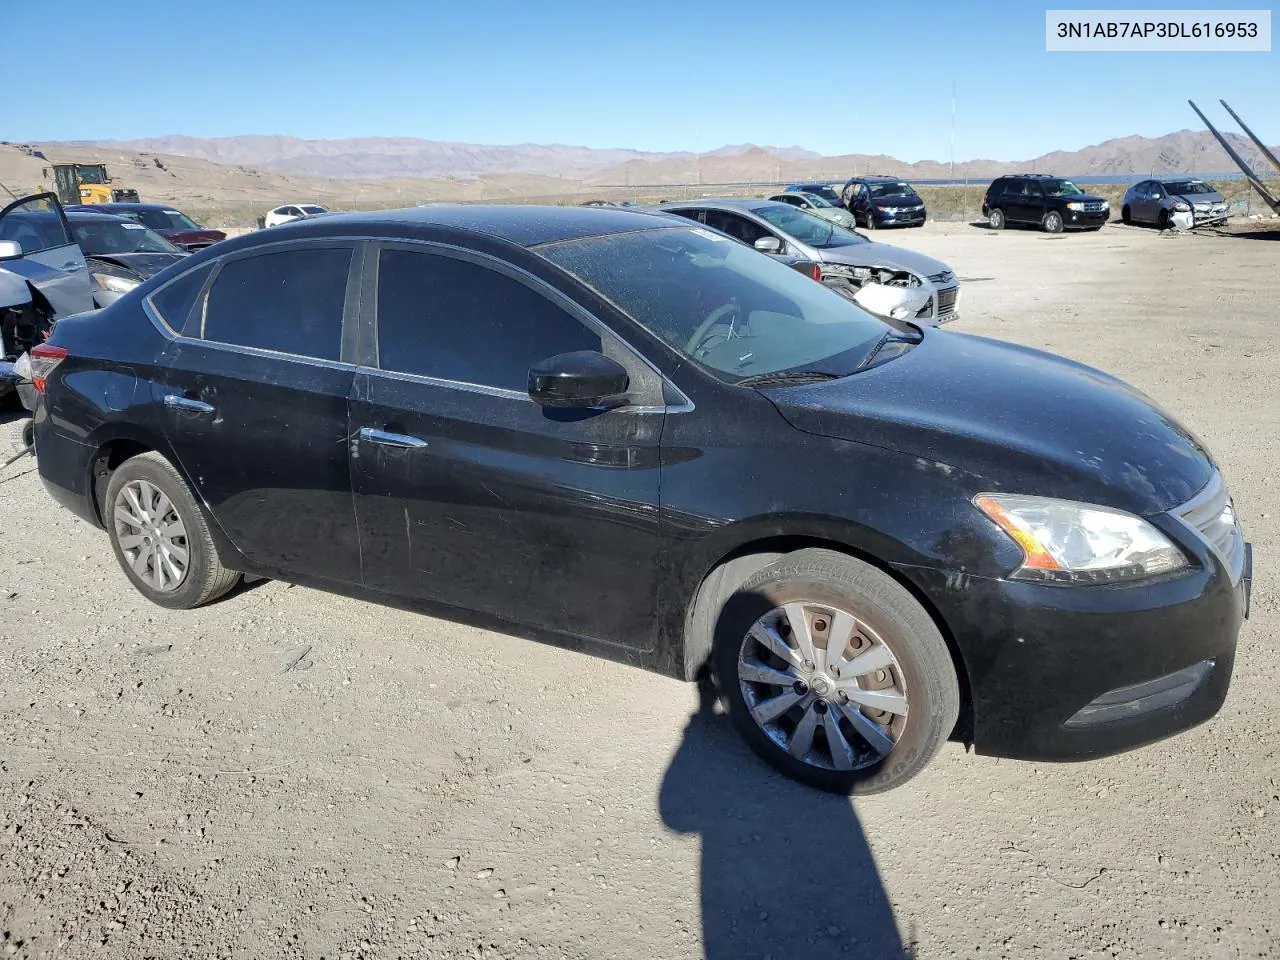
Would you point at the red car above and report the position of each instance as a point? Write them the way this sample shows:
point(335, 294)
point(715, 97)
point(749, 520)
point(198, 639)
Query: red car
point(174, 225)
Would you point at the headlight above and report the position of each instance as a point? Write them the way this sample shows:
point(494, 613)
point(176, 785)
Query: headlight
point(1067, 542)
point(112, 283)
point(1075, 206)
point(1106, 204)
point(1181, 206)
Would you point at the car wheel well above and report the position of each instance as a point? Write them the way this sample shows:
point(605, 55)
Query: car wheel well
point(735, 567)
point(104, 463)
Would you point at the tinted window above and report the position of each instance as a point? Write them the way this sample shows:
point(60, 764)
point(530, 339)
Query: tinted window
point(443, 317)
point(289, 301)
point(740, 228)
point(173, 301)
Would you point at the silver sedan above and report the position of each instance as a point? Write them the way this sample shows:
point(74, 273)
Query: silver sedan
point(1178, 202)
point(845, 256)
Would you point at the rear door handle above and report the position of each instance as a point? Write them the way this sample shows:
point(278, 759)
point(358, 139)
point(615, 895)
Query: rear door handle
point(383, 438)
point(187, 404)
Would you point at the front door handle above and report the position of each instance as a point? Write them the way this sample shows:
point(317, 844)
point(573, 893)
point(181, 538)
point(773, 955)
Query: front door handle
point(386, 439)
point(71, 267)
point(186, 404)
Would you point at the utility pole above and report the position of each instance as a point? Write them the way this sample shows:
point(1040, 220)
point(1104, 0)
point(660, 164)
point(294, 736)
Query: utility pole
point(953, 131)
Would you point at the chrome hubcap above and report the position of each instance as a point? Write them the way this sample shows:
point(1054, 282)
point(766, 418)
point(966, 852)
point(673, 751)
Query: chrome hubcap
point(151, 535)
point(823, 685)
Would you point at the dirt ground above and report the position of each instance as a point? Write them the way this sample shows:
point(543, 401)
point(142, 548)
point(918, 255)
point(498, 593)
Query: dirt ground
point(294, 774)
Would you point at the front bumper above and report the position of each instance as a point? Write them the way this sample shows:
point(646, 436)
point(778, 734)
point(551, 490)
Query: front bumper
point(1047, 666)
point(1080, 220)
point(908, 219)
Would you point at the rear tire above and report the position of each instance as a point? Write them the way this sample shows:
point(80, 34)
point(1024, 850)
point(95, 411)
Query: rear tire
point(837, 737)
point(996, 219)
point(160, 536)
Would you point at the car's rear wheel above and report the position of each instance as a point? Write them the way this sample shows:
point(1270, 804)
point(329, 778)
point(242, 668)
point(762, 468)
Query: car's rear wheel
point(834, 674)
point(996, 219)
point(160, 535)
point(1052, 222)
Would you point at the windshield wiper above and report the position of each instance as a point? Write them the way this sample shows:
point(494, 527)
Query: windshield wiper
point(785, 379)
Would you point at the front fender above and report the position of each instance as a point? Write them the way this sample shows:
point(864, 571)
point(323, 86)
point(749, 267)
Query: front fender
point(14, 290)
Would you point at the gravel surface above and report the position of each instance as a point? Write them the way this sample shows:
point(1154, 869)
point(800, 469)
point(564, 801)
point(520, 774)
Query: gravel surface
point(289, 773)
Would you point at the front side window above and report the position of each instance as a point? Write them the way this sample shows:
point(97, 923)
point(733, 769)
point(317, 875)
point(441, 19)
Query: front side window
point(290, 301)
point(35, 225)
point(805, 227)
point(720, 304)
point(439, 316)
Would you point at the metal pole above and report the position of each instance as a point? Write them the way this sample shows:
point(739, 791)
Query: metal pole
point(953, 131)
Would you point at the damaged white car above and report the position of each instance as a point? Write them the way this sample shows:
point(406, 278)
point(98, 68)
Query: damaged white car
point(883, 279)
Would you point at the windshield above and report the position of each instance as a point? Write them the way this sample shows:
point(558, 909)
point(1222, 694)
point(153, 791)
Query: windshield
point(92, 174)
point(891, 190)
point(169, 221)
point(806, 228)
point(1182, 187)
point(817, 201)
point(823, 191)
point(725, 306)
point(1060, 188)
point(106, 237)
point(313, 209)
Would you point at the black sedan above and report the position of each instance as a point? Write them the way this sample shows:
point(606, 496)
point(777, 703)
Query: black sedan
point(120, 253)
point(632, 436)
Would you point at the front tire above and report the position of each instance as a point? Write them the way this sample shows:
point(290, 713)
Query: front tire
point(1163, 222)
point(160, 536)
point(1052, 222)
point(871, 220)
point(996, 219)
point(1125, 214)
point(858, 720)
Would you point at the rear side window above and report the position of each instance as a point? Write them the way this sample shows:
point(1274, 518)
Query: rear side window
point(174, 300)
point(443, 317)
point(289, 301)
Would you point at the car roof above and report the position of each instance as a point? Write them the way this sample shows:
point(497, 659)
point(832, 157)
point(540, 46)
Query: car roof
point(93, 216)
point(526, 226)
point(89, 207)
point(732, 203)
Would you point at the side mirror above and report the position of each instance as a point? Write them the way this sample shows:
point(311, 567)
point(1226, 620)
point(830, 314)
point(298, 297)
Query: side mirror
point(768, 245)
point(581, 379)
point(10, 249)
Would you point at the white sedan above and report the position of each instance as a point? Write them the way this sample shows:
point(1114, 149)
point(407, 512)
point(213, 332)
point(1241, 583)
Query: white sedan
point(292, 211)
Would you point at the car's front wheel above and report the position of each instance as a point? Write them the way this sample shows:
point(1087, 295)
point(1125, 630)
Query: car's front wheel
point(1126, 215)
point(1053, 222)
point(834, 673)
point(160, 536)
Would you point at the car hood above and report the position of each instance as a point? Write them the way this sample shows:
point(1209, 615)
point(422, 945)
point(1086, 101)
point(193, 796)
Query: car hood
point(1016, 419)
point(1193, 198)
point(875, 254)
point(899, 200)
point(141, 264)
point(194, 236)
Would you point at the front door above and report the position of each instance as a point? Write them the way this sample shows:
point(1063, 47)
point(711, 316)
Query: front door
point(255, 407)
point(51, 261)
point(470, 494)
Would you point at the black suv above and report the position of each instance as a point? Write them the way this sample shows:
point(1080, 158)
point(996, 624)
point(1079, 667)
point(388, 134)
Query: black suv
point(883, 202)
point(1051, 203)
point(625, 433)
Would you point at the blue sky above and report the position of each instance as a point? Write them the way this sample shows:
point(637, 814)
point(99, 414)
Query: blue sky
point(660, 75)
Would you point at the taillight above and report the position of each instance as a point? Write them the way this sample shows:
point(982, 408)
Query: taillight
point(815, 271)
point(44, 357)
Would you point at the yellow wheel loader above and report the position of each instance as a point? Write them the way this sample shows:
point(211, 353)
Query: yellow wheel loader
point(87, 183)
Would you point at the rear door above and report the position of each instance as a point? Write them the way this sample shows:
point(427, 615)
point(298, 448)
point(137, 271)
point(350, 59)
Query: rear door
point(255, 397)
point(50, 261)
point(470, 494)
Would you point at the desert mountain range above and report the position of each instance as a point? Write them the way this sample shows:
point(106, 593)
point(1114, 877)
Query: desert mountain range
point(234, 180)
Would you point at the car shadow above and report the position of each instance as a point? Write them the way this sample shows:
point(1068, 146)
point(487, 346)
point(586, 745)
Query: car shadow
point(786, 871)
